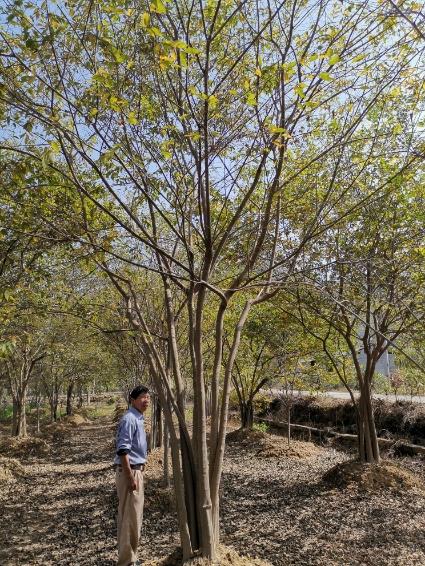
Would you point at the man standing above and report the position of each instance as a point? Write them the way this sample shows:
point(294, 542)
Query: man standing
point(129, 463)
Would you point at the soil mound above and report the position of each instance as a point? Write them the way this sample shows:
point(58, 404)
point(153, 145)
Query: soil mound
point(75, 420)
point(246, 436)
point(10, 469)
point(272, 446)
point(21, 447)
point(277, 447)
point(227, 557)
point(55, 431)
point(372, 477)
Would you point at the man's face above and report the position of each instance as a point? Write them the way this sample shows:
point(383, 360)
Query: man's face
point(142, 402)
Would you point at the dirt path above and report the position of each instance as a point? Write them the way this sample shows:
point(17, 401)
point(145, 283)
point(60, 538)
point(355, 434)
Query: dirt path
point(63, 511)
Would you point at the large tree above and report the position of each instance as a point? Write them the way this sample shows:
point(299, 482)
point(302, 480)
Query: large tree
point(200, 131)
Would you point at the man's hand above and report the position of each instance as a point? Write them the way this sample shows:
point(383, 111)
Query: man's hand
point(131, 480)
point(132, 483)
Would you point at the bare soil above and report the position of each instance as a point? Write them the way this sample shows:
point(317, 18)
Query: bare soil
point(59, 508)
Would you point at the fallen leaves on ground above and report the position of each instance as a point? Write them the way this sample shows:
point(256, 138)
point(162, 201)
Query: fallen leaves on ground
point(275, 509)
point(226, 557)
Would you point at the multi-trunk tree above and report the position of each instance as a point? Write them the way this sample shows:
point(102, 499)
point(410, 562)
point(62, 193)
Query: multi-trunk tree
point(199, 134)
point(369, 298)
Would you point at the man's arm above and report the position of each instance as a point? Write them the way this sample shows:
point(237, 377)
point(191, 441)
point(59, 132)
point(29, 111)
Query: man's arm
point(124, 442)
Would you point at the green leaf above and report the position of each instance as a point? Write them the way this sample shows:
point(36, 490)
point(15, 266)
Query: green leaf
point(117, 103)
point(154, 31)
point(117, 54)
point(28, 126)
point(132, 119)
point(158, 7)
point(333, 59)
point(179, 44)
point(7, 295)
point(397, 129)
point(145, 20)
point(299, 90)
point(193, 136)
point(251, 99)
point(192, 50)
point(32, 44)
point(55, 147)
point(107, 156)
point(278, 130)
point(212, 101)
point(325, 76)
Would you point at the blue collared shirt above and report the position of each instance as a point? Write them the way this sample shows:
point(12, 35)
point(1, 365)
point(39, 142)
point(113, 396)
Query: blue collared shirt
point(131, 438)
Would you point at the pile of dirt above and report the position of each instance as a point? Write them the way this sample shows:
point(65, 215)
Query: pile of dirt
point(22, 447)
point(371, 477)
point(271, 446)
point(75, 420)
point(278, 447)
point(246, 437)
point(10, 470)
point(227, 557)
point(56, 432)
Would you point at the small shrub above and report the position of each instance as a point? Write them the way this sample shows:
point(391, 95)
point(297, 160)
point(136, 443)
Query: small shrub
point(6, 412)
point(260, 427)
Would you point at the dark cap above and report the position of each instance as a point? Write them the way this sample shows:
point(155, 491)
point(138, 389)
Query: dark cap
point(139, 390)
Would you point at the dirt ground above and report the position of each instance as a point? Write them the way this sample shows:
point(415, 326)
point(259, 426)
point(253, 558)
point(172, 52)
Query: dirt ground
point(59, 508)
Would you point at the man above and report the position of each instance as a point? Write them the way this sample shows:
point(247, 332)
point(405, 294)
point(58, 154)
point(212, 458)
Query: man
point(129, 464)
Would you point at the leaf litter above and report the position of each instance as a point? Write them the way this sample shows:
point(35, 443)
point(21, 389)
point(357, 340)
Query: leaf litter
point(276, 510)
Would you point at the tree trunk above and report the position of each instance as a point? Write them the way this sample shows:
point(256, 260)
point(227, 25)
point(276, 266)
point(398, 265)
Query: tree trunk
point(368, 440)
point(156, 415)
point(69, 394)
point(160, 437)
point(20, 421)
point(165, 444)
point(247, 414)
point(14, 417)
point(38, 419)
point(288, 420)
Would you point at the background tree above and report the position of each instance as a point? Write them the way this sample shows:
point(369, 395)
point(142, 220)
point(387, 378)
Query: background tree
point(371, 296)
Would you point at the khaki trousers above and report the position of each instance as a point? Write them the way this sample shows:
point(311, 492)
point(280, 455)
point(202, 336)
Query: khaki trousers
point(130, 515)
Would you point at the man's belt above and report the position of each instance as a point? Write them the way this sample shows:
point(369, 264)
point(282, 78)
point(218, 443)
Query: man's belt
point(140, 467)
